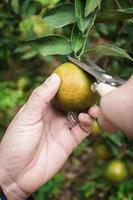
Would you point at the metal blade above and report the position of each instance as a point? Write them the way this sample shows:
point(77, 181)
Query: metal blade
point(109, 79)
point(95, 66)
point(93, 71)
point(97, 72)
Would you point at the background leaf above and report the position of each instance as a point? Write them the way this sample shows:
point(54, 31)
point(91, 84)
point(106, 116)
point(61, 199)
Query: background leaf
point(29, 55)
point(15, 6)
point(109, 50)
point(60, 16)
point(90, 6)
point(29, 8)
point(119, 15)
point(52, 45)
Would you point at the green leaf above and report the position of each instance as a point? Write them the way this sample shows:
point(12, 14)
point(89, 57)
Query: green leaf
point(76, 39)
point(130, 20)
point(116, 139)
point(82, 21)
point(29, 8)
point(117, 15)
point(91, 21)
point(51, 45)
point(4, 15)
point(29, 55)
point(109, 50)
point(91, 5)
point(15, 6)
point(22, 49)
point(60, 16)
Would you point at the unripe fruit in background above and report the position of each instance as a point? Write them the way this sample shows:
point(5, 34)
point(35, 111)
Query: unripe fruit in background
point(102, 150)
point(116, 171)
point(23, 83)
point(96, 128)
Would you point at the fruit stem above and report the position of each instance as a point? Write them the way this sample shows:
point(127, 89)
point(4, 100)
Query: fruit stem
point(84, 45)
point(86, 37)
point(118, 4)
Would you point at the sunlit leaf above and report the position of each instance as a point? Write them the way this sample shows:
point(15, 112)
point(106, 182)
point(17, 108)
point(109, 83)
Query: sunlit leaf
point(117, 15)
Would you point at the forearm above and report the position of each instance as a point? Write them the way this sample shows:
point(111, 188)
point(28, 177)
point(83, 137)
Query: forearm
point(10, 188)
point(117, 107)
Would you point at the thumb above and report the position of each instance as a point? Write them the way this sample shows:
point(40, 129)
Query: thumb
point(113, 108)
point(42, 95)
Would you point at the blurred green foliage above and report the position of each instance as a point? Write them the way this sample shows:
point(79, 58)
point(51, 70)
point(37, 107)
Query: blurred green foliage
point(22, 69)
point(51, 189)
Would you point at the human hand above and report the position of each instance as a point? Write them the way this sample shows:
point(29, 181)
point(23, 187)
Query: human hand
point(116, 109)
point(38, 142)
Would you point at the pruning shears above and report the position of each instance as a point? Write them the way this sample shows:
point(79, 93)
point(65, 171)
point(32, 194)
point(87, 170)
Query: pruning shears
point(104, 83)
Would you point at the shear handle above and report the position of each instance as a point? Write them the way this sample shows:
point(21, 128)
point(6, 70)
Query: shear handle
point(103, 88)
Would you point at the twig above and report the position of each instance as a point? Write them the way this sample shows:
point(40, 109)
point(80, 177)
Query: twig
point(84, 45)
point(118, 4)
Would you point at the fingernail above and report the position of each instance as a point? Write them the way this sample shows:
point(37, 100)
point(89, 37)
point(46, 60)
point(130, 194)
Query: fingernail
point(53, 79)
point(93, 109)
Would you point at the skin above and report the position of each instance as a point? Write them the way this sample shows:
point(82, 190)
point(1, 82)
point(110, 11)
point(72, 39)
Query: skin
point(40, 138)
point(38, 142)
point(116, 109)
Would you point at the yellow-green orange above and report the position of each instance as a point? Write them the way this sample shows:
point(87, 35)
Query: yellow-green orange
point(116, 171)
point(75, 92)
point(96, 128)
point(102, 150)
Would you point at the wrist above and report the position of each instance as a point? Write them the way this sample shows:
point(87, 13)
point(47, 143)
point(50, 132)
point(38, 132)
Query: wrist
point(10, 188)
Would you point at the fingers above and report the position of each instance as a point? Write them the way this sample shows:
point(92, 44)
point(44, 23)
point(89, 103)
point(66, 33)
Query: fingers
point(117, 107)
point(83, 128)
point(85, 122)
point(96, 112)
point(105, 123)
point(42, 95)
point(113, 109)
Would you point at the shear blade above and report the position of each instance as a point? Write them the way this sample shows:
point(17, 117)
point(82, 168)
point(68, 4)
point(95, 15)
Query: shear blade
point(97, 72)
point(92, 69)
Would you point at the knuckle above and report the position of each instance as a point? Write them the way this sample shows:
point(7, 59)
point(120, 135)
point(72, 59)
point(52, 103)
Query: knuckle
point(45, 86)
point(35, 91)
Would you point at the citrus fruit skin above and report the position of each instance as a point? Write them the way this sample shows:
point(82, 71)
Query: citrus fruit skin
point(116, 171)
point(75, 92)
point(102, 150)
point(96, 128)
